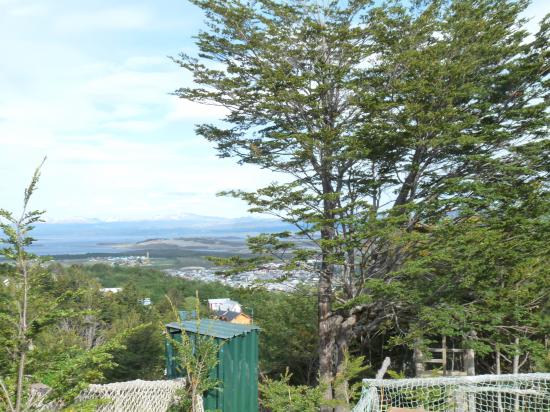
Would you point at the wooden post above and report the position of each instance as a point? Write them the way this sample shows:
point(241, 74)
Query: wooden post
point(470, 366)
point(460, 401)
point(418, 359)
point(469, 357)
point(444, 354)
point(469, 362)
point(515, 364)
point(515, 369)
point(497, 361)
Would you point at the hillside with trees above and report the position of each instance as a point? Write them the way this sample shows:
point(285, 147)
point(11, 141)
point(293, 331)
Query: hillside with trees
point(61, 327)
point(413, 143)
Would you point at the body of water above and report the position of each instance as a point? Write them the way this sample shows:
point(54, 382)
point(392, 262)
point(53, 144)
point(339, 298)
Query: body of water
point(51, 246)
point(94, 238)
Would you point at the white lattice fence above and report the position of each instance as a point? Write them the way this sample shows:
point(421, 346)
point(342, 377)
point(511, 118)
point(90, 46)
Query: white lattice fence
point(134, 396)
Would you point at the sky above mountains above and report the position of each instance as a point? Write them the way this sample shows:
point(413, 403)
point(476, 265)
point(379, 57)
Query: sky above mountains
point(88, 84)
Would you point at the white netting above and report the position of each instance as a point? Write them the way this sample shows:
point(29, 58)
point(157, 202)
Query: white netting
point(484, 393)
point(134, 396)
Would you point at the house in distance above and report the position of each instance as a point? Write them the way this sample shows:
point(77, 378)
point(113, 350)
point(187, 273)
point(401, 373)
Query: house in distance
point(233, 317)
point(229, 311)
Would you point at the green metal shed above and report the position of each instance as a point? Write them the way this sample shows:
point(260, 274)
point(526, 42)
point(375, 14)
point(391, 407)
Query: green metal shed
point(237, 368)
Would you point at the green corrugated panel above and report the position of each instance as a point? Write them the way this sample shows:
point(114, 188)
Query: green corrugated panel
point(246, 375)
point(211, 327)
point(220, 393)
point(253, 370)
point(187, 314)
point(169, 359)
point(237, 368)
point(243, 366)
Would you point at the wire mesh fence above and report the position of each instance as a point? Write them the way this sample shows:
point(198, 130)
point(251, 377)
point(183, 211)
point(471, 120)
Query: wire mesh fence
point(131, 396)
point(483, 393)
point(138, 395)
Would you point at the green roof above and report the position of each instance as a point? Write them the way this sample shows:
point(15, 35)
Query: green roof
point(212, 327)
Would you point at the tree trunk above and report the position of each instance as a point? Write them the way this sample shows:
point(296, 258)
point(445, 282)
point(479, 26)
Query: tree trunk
point(22, 344)
point(341, 392)
point(20, 377)
point(197, 404)
point(326, 335)
point(327, 344)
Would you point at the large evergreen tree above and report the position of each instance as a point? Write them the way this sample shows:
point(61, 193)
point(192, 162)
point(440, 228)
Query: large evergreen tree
point(458, 95)
point(378, 116)
point(481, 275)
point(288, 79)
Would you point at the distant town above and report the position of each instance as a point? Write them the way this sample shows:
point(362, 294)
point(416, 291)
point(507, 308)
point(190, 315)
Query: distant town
point(272, 276)
point(131, 261)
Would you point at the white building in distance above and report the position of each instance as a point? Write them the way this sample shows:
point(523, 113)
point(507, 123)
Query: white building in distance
point(111, 290)
point(225, 304)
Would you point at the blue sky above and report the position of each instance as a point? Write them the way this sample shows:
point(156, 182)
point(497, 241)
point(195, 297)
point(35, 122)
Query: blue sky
point(87, 83)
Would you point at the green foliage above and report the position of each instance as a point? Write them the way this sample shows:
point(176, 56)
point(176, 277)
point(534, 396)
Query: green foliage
point(394, 124)
point(288, 322)
point(69, 376)
point(543, 364)
point(197, 356)
point(236, 264)
point(279, 395)
point(93, 318)
point(152, 283)
point(414, 140)
point(289, 330)
point(350, 370)
point(25, 311)
point(59, 329)
point(141, 355)
point(490, 278)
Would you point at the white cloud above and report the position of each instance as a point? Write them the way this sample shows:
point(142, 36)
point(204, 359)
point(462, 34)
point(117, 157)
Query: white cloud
point(188, 110)
point(141, 62)
point(28, 10)
point(107, 18)
point(96, 101)
point(133, 125)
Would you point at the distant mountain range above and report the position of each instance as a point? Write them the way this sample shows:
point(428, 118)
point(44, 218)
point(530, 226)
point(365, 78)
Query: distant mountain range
point(97, 236)
point(185, 225)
